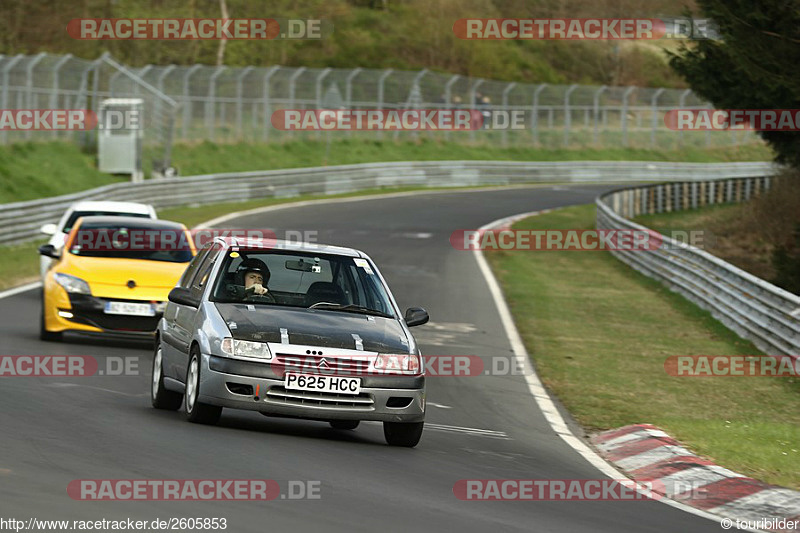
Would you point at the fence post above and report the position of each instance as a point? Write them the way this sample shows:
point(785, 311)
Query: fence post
point(348, 91)
point(381, 81)
point(654, 107)
point(448, 98)
point(160, 86)
point(187, 102)
point(54, 93)
point(507, 90)
point(596, 106)
point(318, 91)
point(535, 113)
point(239, 79)
point(6, 69)
point(624, 118)
point(568, 113)
point(472, 91)
point(211, 104)
point(266, 96)
point(682, 105)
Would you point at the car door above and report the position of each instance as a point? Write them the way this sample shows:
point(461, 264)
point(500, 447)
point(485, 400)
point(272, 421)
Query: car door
point(186, 316)
point(174, 338)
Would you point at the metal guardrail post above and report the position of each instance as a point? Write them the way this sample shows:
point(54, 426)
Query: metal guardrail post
point(239, 80)
point(318, 92)
point(292, 81)
point(381, 82)
point(568, 113)
point(508, 89)
point(682, 105)
point(53, 103)
point(624, 117)
point(4, 102)
point(187, 101)
point(654, 107)
point(265, 96)
point(535, 113)
point(596, 108)
point(211, 105)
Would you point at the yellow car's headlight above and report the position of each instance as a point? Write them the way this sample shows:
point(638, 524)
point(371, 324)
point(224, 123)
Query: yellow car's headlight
point(72, 284)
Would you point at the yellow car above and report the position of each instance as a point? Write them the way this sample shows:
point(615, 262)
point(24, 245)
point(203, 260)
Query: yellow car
point(113, 275)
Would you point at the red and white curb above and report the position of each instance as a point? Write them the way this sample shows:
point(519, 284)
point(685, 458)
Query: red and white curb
point(645, 452)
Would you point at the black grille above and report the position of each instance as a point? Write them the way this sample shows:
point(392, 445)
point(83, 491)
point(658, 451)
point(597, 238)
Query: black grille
point(280, 396)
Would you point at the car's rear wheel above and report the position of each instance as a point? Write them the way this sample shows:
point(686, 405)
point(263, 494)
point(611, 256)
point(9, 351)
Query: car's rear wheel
point(44, 334)
point(161, 397)
point(344, 424)
point(196, 411)
point(403, 433)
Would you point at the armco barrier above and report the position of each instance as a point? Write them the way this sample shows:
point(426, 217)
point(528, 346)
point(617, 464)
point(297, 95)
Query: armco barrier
point(753, 308)
point(21, 221)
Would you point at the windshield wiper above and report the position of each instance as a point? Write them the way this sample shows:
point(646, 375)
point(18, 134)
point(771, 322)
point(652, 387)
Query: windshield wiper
point(350, 308)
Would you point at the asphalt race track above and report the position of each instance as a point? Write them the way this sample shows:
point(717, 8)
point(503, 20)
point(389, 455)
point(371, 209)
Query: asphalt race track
point(55, 430)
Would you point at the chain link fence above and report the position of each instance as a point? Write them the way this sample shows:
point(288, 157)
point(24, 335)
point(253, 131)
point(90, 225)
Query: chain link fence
point(227, 104)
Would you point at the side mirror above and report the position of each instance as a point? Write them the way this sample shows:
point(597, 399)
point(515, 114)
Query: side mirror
point(49, 250)
point(416, 316)
point(48, 229)
point(182, 296)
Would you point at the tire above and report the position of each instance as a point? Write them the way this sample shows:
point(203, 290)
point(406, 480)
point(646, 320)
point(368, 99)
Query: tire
point(403, 433)
point(197, 412)
point(161, 397)
point(44, 334)
point(344, 424)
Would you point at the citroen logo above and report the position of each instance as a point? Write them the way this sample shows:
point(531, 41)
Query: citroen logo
point(131, 284)
point(323, 364)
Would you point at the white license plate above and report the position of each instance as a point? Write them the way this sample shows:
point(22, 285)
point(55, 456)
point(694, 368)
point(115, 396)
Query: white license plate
point(314, 382)
point(129, 308)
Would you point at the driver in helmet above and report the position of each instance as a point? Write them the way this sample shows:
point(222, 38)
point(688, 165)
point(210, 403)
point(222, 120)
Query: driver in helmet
point(254, 275)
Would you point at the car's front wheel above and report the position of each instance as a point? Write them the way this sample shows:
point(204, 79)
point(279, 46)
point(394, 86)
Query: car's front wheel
point(403, 433)
point(196, 411)
point(160, 396)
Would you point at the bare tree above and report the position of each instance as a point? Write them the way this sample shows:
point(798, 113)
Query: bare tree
point(223, 6)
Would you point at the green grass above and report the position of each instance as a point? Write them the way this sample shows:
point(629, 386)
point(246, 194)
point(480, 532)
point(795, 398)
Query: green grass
point(31, 170)
point(37, 170)
point(599, 334)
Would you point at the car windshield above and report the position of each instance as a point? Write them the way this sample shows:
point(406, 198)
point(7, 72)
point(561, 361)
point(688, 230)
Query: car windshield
point(146, 241)
point(78, 214)
point(302, 279)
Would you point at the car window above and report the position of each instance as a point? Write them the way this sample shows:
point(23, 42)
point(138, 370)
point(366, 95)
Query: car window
point(198, 284)
point(78, 214)
point(190, 271)
point(306, 279)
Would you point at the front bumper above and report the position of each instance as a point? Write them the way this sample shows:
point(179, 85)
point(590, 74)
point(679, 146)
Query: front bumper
point(232, 383)
point(88, 314)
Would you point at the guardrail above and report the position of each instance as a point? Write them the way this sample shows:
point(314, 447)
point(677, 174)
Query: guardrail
point(755, 309)
point(21, 221)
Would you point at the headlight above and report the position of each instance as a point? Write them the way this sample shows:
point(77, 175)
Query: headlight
point(240, 348)
point(72, 284)
point(397, 363)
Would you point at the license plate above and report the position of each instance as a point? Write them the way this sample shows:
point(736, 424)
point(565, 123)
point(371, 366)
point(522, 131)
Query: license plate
point(313, 382)
point(129, 308)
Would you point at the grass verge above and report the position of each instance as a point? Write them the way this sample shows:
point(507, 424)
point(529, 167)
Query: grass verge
point(32, 170)
point(599, 333)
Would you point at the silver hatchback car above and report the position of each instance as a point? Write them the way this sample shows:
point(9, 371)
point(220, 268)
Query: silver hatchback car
point(293, 330)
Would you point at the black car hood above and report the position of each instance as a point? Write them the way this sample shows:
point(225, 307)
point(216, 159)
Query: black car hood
point(315, 327)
